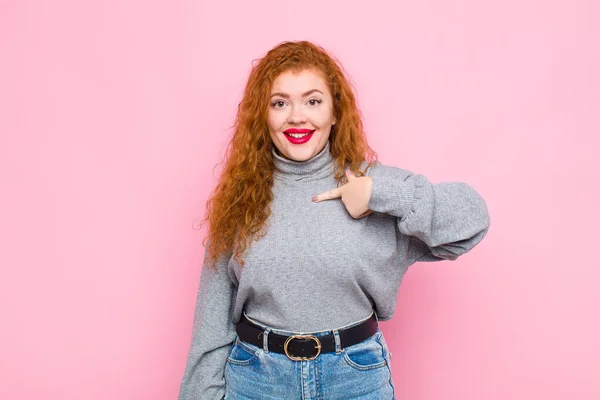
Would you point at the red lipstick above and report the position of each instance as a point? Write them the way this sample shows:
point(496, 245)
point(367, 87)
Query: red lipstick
point(306, 135)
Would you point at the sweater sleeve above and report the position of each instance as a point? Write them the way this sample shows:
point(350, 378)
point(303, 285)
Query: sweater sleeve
point(443, 221)
point(213, 334)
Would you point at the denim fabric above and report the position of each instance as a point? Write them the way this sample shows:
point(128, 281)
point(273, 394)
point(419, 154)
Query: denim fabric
point(361, 371)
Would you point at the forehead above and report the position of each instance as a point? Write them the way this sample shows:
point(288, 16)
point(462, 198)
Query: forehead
point(296, 82)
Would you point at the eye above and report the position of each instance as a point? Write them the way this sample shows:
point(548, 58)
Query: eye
point(314, 102)
point(278, 104)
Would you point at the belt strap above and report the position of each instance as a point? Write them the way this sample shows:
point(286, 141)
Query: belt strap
point(305, 347)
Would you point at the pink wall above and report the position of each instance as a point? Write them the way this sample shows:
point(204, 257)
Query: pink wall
point(113, 115)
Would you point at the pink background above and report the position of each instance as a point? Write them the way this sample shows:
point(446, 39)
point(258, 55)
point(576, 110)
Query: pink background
point(113, 115)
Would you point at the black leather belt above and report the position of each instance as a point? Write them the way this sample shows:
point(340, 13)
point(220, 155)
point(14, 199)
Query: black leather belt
point(307, 346)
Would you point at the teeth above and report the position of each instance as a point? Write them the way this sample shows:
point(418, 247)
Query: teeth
point(298, 135)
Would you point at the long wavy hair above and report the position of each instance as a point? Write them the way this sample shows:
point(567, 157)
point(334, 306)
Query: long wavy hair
point(240, 204)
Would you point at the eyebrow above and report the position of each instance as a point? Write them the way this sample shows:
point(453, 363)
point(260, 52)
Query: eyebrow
point(287, 96)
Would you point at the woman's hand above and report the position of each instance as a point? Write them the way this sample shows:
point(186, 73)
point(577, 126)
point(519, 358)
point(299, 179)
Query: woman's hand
point(355, 194)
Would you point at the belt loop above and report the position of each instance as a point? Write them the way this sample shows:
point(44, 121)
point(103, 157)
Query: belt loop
point(338, 346)
point(266, 340)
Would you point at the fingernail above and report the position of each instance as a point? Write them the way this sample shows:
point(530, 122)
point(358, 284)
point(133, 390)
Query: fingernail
point(315, 198)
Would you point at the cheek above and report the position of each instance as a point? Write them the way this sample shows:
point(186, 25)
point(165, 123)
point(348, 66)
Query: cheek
point(324, 118)
point(275, 121)
point(270, 123)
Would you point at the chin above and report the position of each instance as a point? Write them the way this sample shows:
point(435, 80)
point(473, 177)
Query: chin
point(301, 154)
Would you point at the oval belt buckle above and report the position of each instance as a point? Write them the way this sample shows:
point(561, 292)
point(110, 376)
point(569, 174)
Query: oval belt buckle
point(287, 341)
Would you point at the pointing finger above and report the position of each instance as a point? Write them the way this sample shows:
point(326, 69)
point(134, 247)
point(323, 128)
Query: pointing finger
point(331, 194)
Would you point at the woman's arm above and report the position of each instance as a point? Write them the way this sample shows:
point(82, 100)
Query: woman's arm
point(444, 220)
point(212, 335)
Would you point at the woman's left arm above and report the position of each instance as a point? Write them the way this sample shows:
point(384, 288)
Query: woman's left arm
point(444, 220)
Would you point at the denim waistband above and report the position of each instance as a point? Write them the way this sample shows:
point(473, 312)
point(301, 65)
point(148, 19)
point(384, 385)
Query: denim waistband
point(318, 333)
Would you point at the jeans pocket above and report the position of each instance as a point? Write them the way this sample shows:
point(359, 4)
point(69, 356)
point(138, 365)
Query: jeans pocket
point(366, 355)
point(242, 353)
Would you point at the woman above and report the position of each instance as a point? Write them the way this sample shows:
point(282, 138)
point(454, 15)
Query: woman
point(309, 239)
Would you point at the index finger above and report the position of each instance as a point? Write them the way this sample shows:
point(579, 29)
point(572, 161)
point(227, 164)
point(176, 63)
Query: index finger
point(331, 194)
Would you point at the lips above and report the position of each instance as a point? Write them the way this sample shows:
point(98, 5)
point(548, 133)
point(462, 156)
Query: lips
point(306, 135)
point(296, 130)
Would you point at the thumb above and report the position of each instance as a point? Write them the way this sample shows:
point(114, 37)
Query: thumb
point(350, 175)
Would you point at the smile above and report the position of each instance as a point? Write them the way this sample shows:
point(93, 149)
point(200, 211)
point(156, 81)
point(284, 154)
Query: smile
point(299, 136)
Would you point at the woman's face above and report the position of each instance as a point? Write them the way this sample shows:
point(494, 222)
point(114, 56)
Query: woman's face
point(300, 105)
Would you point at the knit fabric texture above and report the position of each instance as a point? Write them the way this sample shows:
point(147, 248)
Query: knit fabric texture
point(317, 268)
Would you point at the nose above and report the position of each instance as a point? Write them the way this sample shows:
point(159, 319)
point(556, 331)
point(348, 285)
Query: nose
point(296, 116)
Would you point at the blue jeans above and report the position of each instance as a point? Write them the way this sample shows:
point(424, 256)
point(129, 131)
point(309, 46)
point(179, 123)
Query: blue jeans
point(361, 371)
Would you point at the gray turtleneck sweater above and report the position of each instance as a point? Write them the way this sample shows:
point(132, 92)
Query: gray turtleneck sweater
point(317, 268)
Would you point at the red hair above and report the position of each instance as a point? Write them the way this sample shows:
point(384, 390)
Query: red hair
point(240, 203)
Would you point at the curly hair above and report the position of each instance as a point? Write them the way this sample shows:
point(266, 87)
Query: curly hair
point(240, 204)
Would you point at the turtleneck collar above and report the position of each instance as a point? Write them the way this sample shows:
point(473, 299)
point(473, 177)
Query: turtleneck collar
point(320, 166)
